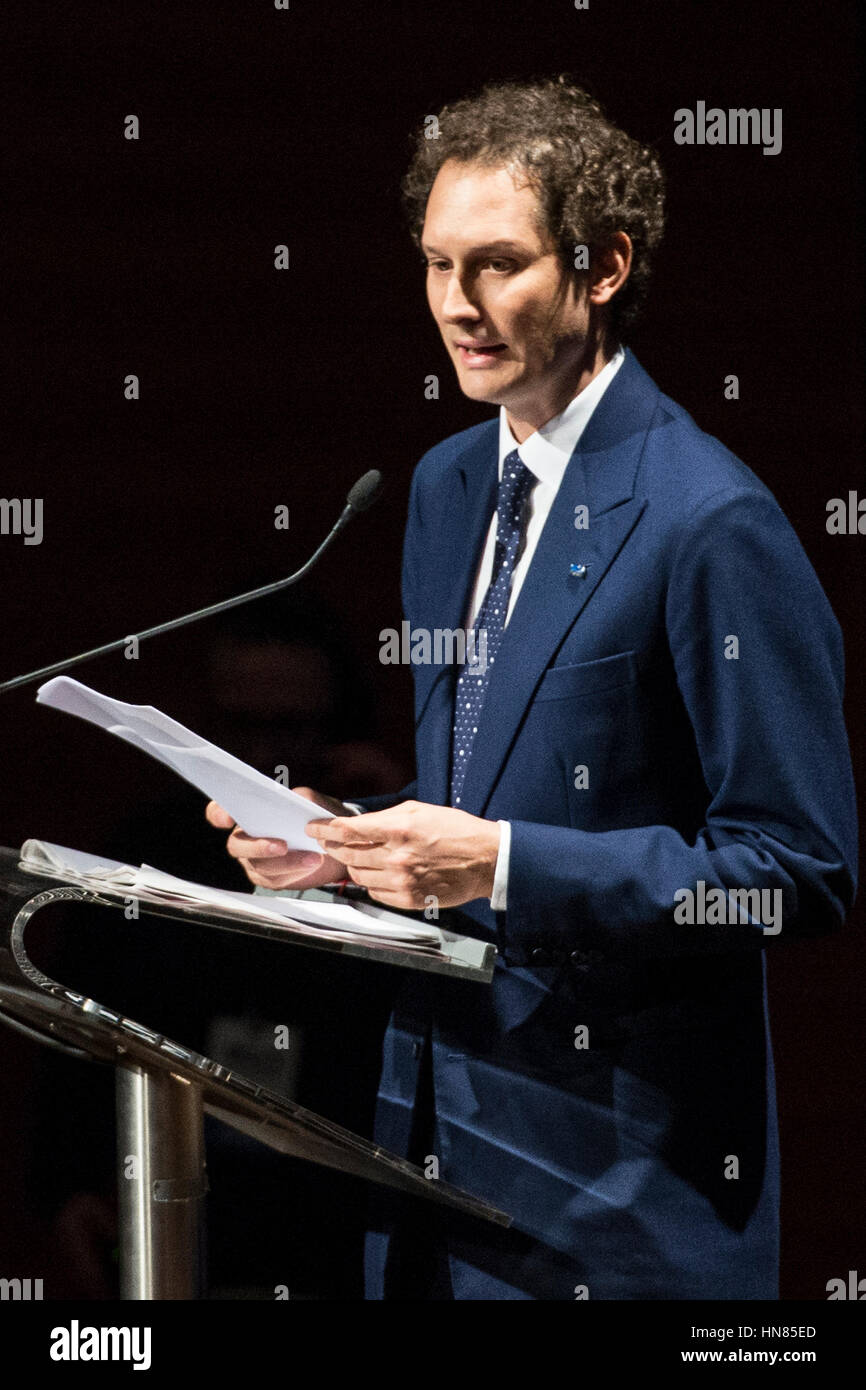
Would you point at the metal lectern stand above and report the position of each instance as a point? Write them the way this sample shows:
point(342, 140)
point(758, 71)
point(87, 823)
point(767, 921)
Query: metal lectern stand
point(164, 1090)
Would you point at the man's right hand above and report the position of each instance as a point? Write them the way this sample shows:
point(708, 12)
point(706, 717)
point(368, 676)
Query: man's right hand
point(269, 864)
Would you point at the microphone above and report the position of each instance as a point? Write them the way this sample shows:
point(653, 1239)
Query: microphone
point(361, 496)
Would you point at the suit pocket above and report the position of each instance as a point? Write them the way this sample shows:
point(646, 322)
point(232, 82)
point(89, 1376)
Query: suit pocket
point(586, 677)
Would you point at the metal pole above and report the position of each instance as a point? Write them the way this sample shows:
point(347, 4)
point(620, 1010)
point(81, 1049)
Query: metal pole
point(162, 1182)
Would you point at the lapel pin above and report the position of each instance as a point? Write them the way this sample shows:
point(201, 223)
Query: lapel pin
point(577, 571)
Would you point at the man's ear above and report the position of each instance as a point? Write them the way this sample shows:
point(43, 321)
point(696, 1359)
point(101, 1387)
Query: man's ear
point(611, 267)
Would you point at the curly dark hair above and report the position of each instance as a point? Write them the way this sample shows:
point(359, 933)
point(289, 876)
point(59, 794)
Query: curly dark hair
point(591, 178)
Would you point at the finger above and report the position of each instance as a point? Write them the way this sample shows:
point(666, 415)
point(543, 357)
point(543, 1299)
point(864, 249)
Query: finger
point(374, 857)
point(277, 875)
point(215, 815)
point(267, 874)
point(261, 880)
point(340, 848)
point(342, 830)
point(372, 825)
point(243, 846)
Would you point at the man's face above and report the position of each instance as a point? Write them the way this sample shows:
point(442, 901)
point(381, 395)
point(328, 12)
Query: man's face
point(512, 319)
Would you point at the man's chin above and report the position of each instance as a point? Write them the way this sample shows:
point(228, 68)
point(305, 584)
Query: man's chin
point(486, 387)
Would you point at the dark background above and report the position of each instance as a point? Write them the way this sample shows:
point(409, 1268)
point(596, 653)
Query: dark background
point(260, 387)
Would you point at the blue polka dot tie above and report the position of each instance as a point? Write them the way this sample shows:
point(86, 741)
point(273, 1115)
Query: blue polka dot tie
point(490, 623)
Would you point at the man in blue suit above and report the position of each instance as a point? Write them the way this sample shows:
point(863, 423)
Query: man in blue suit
point(640, 782)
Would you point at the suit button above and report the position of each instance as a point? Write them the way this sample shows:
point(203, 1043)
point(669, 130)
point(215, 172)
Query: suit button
point(539, 956)
point(580, 960)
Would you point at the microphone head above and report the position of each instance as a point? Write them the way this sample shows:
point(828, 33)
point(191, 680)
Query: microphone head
point(365, 491)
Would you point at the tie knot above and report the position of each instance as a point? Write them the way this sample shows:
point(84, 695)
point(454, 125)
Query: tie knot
point(513, 487)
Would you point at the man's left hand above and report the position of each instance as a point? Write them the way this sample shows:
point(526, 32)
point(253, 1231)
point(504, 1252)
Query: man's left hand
point(414, 851)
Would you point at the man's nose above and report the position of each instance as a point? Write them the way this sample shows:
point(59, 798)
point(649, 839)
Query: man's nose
point(457, 304)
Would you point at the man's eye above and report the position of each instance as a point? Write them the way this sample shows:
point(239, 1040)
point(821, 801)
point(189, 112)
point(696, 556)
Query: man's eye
point(436, 265)
point(500, 265)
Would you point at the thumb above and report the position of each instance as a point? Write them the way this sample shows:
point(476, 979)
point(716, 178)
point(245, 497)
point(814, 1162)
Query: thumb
point(217, 816)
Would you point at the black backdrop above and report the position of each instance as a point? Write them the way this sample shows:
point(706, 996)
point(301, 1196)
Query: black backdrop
point(261, 388)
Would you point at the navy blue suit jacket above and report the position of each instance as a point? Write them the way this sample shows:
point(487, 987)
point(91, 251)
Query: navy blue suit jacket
point(645, 1164)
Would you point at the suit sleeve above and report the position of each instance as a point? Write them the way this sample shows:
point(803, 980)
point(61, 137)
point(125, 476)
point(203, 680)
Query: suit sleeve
point(770, 733)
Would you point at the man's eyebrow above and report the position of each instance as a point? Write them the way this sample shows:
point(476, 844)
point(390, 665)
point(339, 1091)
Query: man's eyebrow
point(488, 246)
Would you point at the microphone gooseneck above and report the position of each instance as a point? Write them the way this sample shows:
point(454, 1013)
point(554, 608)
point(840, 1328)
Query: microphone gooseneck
point(361, 496)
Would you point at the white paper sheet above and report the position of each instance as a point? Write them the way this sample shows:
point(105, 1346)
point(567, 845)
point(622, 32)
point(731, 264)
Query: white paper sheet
point(259, 805)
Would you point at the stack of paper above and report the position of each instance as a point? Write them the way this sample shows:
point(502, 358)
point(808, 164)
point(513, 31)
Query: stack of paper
point(344, 921)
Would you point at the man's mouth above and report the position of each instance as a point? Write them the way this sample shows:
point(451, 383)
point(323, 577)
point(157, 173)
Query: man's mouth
point(479, 354)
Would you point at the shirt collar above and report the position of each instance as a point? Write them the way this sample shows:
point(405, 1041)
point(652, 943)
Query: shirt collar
point(547, 450)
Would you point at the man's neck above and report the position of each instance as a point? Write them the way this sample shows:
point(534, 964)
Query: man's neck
point(526, 419)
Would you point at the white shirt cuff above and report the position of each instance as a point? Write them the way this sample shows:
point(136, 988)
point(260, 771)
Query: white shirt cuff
point(353, 806)
point(500, 875)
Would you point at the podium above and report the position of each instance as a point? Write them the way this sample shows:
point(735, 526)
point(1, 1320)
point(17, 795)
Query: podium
point(163, 1090)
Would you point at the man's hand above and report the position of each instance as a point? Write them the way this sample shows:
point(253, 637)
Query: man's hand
point(413, 851)
point(268, 863)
